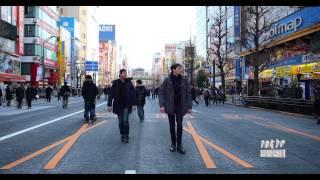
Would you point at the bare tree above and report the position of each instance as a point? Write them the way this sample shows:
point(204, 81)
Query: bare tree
point(218, 48)
point(256, 40)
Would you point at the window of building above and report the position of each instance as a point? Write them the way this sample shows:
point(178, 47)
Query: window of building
point(8, 45)
point(29, 11)
point(84, 35)
point(25, 68)
point(84, 48)
point(29, 30)
point(29, 49)
point(229, 22)
point(6, 13)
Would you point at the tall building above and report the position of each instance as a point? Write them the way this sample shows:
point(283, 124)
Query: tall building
point(201, 50)
point(107, 54)
point(156, 67)
point(64, 56)
point(11, 44)
point(41, 33)
point(72, 25)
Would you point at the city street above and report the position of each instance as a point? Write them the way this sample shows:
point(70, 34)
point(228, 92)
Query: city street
point(218, 139)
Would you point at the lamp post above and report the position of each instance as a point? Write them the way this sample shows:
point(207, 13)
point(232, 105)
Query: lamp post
point(43, 67)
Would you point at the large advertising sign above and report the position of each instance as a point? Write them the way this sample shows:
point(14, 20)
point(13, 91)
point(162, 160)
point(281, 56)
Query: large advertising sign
point(107, 32)
point(20, 25)
point(237, 22)
point(68, 23)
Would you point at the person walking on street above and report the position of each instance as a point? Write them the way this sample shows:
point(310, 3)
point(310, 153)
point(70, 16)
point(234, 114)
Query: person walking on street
point(48, 94)
point(9, 95)
point(1, 96)
point(89, 93)
point(29, 95)
point(141, 94)
point(65, 92)
point(122, 100)
point(175, 100)
point(206, 97)
point(19, 95)
point(316, 107)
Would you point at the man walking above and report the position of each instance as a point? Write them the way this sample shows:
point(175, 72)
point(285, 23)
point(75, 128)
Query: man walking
point(9, 95)
point(141, 94)
point(0, 96)
point(122, 98)
point(175, 100)
point(48, 94)
point(89, 93)
point(19, 96)
point(65, 92)
point(29, 95)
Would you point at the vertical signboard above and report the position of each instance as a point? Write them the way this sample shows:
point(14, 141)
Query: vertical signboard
point(237, 22)
point(20, 26)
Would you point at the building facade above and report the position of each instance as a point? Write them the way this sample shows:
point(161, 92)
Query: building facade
point(11, 44)
point(39, 62)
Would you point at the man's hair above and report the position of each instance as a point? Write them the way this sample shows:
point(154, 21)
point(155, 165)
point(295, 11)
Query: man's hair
point(139, 81)
point(174, 66)
point(88, 77)
point(121, 70)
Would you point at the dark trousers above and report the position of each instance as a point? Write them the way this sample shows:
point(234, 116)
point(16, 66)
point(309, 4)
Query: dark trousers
point(29, 102)
point(89, 107)
point(206, 99)
point(8, 102)
point(140, 112)
point(19, 105)
point(176, 138)
point(195, 100)
point(48, 98)
point(123, 117)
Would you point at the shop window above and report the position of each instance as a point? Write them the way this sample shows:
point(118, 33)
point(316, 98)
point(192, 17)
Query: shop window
point(29, 49)
point(29, 30)
point(25, 68)
point(29, 11)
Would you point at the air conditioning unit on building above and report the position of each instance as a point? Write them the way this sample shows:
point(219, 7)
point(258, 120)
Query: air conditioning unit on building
point(35, 40)
point(35, 21)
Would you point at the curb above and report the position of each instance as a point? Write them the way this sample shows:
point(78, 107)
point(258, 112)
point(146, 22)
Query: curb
point(275, 111)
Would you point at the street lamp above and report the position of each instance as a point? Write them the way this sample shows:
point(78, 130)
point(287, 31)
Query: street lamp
point(43, 67)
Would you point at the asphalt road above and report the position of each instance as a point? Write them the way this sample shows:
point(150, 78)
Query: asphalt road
point(222, 139)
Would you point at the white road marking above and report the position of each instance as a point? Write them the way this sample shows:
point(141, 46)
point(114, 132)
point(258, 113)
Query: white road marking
point(40, 125)
point(130, 172)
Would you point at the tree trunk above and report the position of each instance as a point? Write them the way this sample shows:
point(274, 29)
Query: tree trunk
point(223, 83)
point(256, 80)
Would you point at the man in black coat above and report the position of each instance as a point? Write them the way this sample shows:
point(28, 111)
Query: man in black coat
point(19, 96)
point(65, 92)
point(122, 98)
point(48, 94)
point(0, 96)
point(29, 95)
point(89, 93)
point(9, 95)
point(141, 94)
point(175, 100)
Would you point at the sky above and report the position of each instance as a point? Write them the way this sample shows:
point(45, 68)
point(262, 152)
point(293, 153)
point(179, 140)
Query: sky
point(145, 30)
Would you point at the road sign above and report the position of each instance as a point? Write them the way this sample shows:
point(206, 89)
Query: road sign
point(91, 66)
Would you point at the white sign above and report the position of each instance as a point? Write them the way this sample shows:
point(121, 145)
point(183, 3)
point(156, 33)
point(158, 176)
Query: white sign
point(310, 58)
point(285, 27)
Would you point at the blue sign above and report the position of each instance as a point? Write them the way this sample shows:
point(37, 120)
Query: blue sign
point(238, 69)
point(107, 32)
point(68, 23)
point(237, 22)
point(290, 61)
point(91, 66)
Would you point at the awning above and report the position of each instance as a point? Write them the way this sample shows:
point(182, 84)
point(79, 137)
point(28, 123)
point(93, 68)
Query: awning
point(12, 78)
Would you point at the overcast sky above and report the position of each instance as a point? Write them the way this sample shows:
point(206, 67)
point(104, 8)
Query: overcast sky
point(143, 30)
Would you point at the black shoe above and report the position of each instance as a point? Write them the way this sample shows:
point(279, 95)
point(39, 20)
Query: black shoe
point(173, 148)
point(181, 150)
point(126, 140)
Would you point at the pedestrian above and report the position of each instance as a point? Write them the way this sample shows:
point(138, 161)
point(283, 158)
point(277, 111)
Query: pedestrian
point(122, 100)
point(141, 94)
point(194, 94)
point(175, 100)
point(9, 95)
point(65, 92)
point(105, 92)
point(19, 96)
point(316, 107)
point(29, 95)
point(89, 93)
point(206, 97)
point(1, 96)
point(48, 94)
point(59, 94)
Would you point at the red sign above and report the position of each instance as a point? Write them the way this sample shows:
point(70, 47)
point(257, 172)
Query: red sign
point(51, 63)
point(20, 26)
point(12, 78)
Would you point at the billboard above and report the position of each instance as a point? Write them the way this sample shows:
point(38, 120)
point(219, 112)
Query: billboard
point(107, 32)
point(91, 66)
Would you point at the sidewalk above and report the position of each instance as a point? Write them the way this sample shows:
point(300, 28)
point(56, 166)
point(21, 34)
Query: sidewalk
point(237, 103)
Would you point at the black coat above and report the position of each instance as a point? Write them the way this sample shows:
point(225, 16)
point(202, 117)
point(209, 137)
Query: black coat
point(29, 93)
point(89, 91)
point(19, 93)
point(0, 92)
point(9, 94)
point(65, 89)
point(114, 98)
point(48, 91)
point(141, 94)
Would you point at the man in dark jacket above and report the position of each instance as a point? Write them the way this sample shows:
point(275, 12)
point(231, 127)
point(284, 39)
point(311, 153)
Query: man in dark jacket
point(122, 98)
point(19, 96)
point(65, 92)
point(48, 94)
point(0, 96)
point(29, 95)
point(9, 95)
point(141, 94)
point(175, 100)
point(89, 93)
